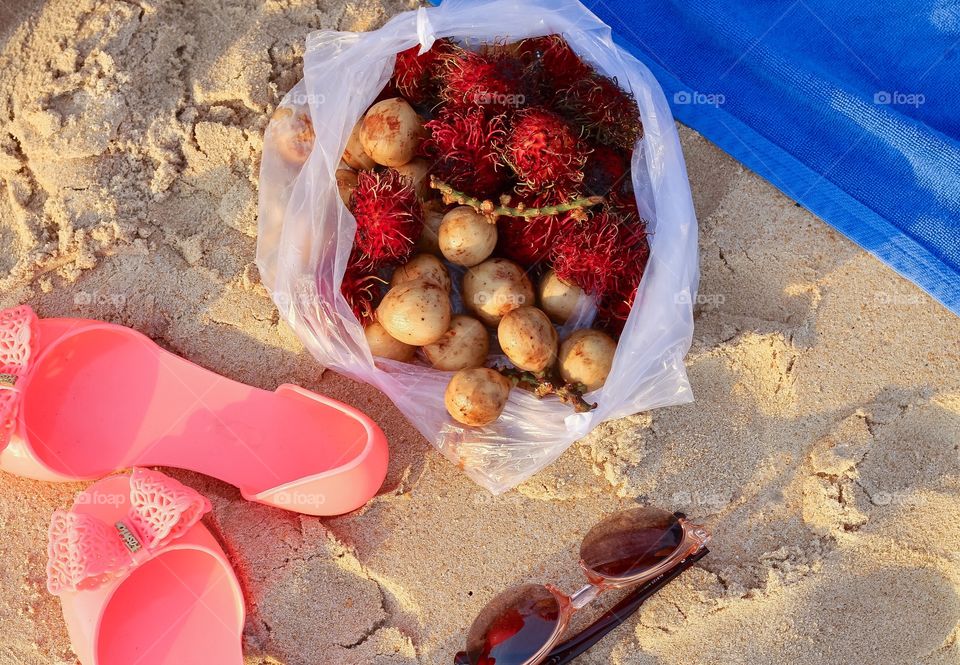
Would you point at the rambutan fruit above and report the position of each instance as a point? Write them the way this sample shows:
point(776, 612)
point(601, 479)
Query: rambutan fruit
point(544, 150)
point(602, 255)
point(588, 255)
point(389, 218)
point(551, 59)
point(605, 171)
point(529, 240)
point(614, 308)
point(606, 111)
point(622, 202)
point(494, 79)
point(463, 146)
point(361, 290)
point(417, 77)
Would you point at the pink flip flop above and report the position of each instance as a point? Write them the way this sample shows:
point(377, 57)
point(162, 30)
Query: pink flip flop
point(80, 399)
point(140, 579)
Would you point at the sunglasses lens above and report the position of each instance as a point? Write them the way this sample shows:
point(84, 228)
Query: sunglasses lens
point(631, 542)
point(514, 626)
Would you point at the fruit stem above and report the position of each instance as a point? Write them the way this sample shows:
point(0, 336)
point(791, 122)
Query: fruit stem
point(492, 211)
point(542, 385)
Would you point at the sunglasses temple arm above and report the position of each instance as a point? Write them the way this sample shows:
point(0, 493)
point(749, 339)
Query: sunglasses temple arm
point(565, 652)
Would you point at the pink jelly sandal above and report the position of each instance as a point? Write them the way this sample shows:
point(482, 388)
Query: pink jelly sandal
point(80, 399)
point(141, 580)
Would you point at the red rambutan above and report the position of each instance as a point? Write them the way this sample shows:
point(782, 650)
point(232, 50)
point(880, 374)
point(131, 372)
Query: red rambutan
point(588, 255)
point(622, 202)
point(605, 171)
point(389, 218)
point(614, 308)
point(544, 151)
point(416, 76)
point(361, 290)
point(493, 79)
point(606, 111)
point(552, 60)
point(529, 240)
point(463, 145)
point(603, 255)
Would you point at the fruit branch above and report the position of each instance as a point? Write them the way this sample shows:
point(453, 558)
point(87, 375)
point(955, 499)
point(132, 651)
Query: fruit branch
point(492, 211)
point(542, 385)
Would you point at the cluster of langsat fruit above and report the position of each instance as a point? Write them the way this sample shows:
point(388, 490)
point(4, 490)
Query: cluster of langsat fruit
point(506, 161)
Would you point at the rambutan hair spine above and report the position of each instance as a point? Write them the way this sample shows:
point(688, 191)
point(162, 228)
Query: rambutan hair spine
point(417, 76)
point(389, 218)
point(494, 78)
point(607, 173)
point(361, 289)
point(551, 61)
point(607, 112)
point(544, 150)
point(464, 146)
point(603, 255)
point(614, 309)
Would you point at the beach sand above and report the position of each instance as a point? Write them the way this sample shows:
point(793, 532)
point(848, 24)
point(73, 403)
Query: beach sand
point(822, 449)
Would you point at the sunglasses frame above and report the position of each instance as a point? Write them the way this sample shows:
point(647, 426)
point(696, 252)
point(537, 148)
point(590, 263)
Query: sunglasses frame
point(568, 650)
point(692, 544)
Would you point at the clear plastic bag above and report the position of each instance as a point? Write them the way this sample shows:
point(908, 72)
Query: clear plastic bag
point(306, 233)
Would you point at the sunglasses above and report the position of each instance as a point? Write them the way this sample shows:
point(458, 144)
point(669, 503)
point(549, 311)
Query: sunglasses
point(648, 547)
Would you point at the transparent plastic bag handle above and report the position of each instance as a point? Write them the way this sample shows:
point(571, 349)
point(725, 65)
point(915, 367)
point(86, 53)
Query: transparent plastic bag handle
point(306, 234)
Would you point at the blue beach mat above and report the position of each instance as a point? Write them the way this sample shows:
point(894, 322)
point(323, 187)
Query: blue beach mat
point(850, 108)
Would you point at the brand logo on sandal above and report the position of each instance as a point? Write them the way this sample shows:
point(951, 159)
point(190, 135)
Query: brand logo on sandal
point(9, 380)
point(126, 535)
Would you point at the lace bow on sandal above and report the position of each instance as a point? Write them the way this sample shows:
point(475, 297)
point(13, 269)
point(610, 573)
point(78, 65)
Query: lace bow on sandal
point(17, 330)
point(140, 578)
point(84, 552)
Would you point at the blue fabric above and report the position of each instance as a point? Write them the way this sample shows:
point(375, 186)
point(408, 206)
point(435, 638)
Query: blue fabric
point(850, 108)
